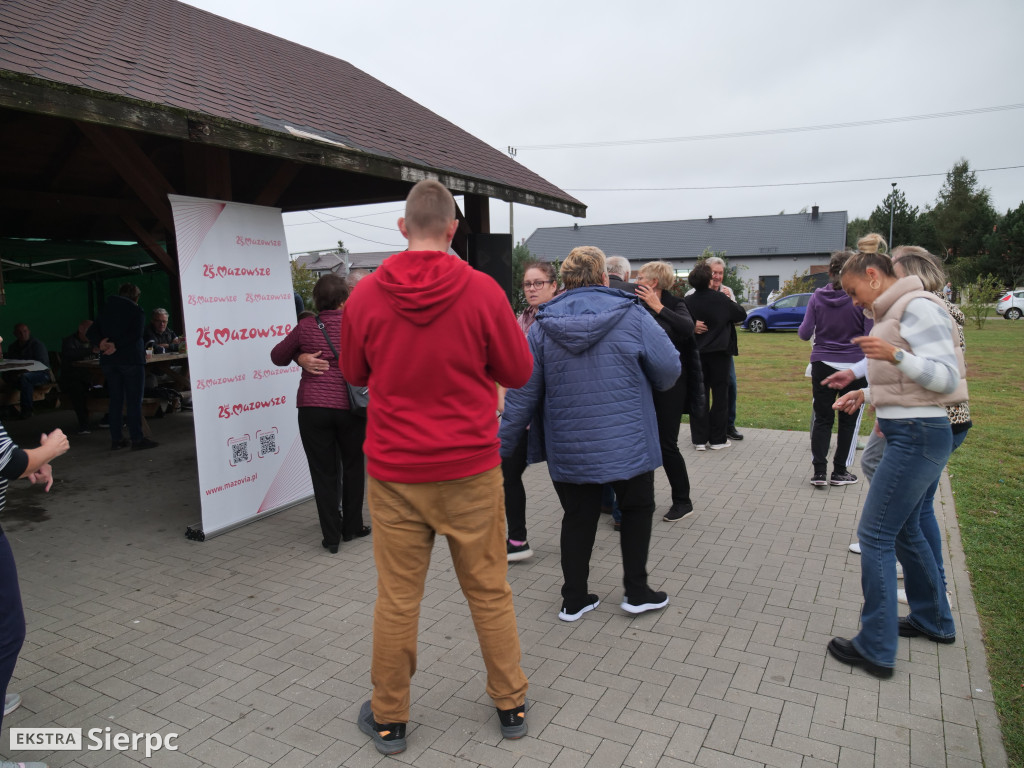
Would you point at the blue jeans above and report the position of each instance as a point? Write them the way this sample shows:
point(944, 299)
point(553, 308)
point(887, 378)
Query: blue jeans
point(608, 500)
point(124, 386)
point(929, 525)
point(27, 382)
point(916, 451)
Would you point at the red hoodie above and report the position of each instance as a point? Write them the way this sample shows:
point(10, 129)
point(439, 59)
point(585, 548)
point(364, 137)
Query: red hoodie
point(430, 335)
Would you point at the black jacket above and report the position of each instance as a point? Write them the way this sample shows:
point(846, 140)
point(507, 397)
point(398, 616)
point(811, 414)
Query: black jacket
point(121, 321)
point(676, 321)
point(720, 314)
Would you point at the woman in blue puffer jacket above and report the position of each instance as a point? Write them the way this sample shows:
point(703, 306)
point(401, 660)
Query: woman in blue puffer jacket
point(597, 354)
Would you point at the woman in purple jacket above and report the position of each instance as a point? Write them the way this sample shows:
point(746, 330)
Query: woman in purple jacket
point(326, 425)
point(833, 321)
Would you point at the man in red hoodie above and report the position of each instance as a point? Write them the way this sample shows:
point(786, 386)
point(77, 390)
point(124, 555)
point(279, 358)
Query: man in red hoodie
point(430, 336)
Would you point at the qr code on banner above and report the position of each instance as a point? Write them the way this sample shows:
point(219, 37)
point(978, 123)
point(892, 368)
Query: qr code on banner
point(239, 447)
point(268, 442)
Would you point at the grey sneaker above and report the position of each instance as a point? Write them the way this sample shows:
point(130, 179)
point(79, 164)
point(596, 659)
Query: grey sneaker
point(842, 478)
point(11, 702)
point(389, 739)
point(513, 721)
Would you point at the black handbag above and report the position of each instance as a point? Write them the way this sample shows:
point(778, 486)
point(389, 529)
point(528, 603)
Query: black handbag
point(358, 397)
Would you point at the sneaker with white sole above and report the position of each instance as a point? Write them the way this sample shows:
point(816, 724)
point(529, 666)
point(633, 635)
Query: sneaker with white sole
point(700, 446)
point(389, 738)
point(652, 601)
point(842, 478)
point(720, 446)
point(11, 702)
point(573, 612)
point(855, 547)
point(517, 552)
point(819, 480)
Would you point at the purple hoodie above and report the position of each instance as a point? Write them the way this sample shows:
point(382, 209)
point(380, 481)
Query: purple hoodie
point(833, 320)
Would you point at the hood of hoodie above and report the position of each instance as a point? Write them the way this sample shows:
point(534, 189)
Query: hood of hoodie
point(578, 319)
point(832, 298)
point(420, 285)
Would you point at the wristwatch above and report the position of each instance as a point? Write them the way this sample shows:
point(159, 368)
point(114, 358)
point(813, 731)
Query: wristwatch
point(897, 356)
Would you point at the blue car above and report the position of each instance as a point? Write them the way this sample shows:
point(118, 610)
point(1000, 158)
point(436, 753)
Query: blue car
point(782, 314)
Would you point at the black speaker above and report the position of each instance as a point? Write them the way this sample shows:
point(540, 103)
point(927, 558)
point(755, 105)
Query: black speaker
point(492, 254)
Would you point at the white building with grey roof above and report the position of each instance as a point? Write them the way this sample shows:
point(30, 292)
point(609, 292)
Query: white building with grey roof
point(766, 250)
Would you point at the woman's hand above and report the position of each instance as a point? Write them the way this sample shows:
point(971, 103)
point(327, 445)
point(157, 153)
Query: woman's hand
point(651, 297)
point(43, 475)
point(700, 327)
point(312, 363)
point(839, 379)
point(850, 402)
point(875, 348)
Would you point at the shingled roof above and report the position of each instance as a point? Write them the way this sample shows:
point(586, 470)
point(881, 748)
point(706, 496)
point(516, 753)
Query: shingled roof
point(167, 55)
point(742, 236)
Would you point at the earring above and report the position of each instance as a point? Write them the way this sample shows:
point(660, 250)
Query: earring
point(874, 285)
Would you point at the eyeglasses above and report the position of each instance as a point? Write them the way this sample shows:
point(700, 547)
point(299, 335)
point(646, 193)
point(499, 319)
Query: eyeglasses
point(536, 284)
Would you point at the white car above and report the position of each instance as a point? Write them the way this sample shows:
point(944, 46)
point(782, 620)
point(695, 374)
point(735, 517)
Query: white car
point(1011, 305)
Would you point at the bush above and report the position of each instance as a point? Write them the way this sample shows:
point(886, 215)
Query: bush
point(978, 296)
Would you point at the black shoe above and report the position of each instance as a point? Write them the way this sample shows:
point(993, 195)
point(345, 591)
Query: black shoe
point(820, 479)
point(843, 650)
point(652, 601)
point(842, 478)
point(678, 511)
point(732, 434)
point(332, 548)
point(124, 443)
point(144, 443)
point(364, 531)
point(517, 552)
point(909, 630)
point(388, 738)
point(617, 525)
point(571, 613)
point(513, 721)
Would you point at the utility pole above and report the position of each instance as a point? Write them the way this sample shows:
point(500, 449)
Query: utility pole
point(892, 210)
point(512, 152)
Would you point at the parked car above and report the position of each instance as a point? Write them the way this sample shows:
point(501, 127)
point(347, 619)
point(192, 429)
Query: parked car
point(1011, 305)
point(782, 314)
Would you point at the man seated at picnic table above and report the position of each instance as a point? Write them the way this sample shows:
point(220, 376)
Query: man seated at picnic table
point(158, 333)
point(26, 347)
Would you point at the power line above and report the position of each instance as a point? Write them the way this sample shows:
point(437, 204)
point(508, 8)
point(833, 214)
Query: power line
point(773, 131)
point(779, 184)
point(348, 218)
point(352, 234)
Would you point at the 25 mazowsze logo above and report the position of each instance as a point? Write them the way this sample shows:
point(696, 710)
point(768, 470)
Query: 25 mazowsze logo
point(70, 739)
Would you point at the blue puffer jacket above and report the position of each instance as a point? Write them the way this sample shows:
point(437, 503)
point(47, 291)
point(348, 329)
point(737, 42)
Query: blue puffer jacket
point(596, 355)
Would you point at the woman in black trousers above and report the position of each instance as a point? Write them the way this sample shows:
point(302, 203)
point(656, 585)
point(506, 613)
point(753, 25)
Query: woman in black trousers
point(652, 287)
point(717, 346)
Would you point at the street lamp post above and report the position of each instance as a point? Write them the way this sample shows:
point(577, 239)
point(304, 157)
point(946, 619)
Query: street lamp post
point(892, 210)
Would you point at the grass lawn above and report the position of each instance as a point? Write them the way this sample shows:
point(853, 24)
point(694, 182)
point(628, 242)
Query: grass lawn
point(986, 474)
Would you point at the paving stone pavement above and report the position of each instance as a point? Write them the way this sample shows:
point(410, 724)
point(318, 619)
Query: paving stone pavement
point(254, 646)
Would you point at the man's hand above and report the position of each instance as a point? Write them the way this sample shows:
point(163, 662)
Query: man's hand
point(43, 475)
point(839, 379)
point(107, 347)
point(850, 402)
point(700, 327)
point(312, 363)
point(651, 297)
point(875, 348)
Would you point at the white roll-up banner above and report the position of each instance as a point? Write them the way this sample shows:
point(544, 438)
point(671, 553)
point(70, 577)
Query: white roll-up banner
point(236, 288)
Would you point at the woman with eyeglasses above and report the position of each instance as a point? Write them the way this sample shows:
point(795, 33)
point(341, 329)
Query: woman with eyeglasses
point(540, 284)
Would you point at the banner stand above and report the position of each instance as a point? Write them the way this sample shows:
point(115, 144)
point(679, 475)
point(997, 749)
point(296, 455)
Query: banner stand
point(195, 531)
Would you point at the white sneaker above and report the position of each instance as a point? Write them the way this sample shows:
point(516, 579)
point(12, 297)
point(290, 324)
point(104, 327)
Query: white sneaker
point(701, 446)
point(855, 547)
point(11, 702)
point(901, 596)
point(899, 570)
point(720, 446)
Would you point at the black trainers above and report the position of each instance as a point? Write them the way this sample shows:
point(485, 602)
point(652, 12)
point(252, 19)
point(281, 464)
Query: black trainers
point(678, 511)
point(144, 443)
point(518, 552)
point(653, 601)
point(820, 479)
point(389, 739)
point(513, 721)
point(842, 478)
point(571, 613)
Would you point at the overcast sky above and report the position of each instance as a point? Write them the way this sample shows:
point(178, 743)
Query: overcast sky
point(530, 73)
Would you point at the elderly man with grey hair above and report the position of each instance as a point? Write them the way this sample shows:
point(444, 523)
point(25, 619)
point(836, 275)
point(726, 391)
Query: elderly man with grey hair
point(717, 275)
point(618, 273)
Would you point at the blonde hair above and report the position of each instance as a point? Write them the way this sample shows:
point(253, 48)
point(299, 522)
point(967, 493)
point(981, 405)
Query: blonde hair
point(583, 266)
point(659, 271)
point(872, 243)
point(917, 261)
point(429, 209)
